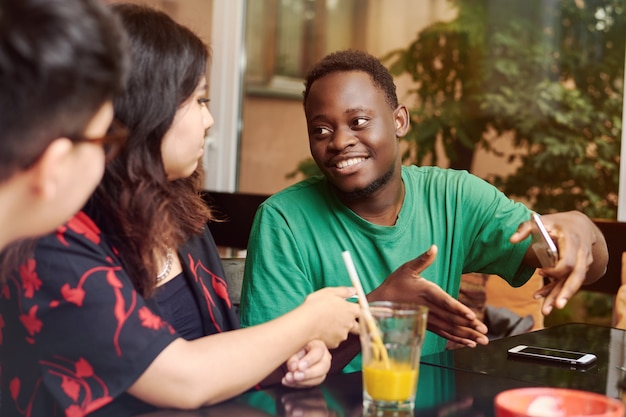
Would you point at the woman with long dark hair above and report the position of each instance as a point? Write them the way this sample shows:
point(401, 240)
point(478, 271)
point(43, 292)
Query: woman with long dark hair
point(127, 300)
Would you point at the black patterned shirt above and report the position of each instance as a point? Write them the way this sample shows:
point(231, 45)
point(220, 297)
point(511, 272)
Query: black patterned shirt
point(75, 335)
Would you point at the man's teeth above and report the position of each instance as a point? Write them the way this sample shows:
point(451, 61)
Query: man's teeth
point(349, 162)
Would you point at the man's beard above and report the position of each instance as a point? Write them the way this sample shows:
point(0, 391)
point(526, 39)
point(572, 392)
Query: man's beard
point(374, 186)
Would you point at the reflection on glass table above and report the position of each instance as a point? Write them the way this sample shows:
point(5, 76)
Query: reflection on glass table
point(608, 344)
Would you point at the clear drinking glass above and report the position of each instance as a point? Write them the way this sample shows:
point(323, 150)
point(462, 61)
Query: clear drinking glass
point(391, 358)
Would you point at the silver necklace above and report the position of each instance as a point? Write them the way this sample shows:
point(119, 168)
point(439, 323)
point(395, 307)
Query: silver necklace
point(168, 266)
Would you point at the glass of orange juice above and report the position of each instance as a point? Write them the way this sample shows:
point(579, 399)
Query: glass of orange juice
point(391, 355)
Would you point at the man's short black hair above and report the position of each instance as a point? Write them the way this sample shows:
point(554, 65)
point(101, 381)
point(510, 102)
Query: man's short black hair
point(354, 60)
point(60, 61)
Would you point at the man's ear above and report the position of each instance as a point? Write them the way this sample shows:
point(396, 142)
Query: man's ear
point(51, 169)
point(402, 120)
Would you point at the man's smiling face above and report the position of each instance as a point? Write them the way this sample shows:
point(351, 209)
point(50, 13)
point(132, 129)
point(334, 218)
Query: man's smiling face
point(352, 132)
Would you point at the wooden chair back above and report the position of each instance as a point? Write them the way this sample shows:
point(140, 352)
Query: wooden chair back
point(233, 268)
point(615, 234)
point(614, 281)
point(235, 212)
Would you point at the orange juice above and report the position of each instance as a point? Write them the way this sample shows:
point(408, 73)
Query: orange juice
point(397, 383)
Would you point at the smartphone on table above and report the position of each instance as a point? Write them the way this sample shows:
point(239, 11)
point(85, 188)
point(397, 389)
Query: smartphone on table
point(542, 243)
point(552, 355)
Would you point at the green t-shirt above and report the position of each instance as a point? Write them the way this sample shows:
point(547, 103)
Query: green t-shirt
point(299, 234)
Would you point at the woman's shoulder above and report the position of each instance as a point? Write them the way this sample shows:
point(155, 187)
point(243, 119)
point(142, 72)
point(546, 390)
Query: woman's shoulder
point(79, 237)
point(65, 261)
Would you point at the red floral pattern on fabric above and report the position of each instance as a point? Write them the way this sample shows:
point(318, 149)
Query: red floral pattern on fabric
point(71, 387)
point(42, 302)
point(30, 280)
point(75, 384)
point(215, 282)
point(72, 378)
point(83, 225)
point(149, 319)
point(83, 369)
point(221, 288)
point(73, 295)
point(5, 292)
point(60, 234)
point(14, 387)
point(31, 322)
point(119, 310)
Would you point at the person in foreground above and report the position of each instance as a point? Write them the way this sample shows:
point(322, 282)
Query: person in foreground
point(386, 214)
point(126, 304)
point(61, 62)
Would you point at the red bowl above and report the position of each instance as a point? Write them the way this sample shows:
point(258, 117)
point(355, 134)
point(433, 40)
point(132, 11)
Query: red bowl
point(555, 402)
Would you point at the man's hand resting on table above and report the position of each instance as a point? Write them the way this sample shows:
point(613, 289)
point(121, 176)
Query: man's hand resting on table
point(447, 316)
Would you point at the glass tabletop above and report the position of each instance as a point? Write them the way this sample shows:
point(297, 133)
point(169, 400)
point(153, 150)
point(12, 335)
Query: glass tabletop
point(607, 343)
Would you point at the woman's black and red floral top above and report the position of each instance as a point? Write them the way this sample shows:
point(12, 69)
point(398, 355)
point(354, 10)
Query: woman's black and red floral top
point(74, 334)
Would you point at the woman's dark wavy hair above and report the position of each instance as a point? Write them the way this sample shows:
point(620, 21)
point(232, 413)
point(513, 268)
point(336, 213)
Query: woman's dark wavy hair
point(135, 204)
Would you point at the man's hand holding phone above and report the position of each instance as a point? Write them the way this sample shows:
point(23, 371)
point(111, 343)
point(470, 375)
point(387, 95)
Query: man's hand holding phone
point(547, 253)
point(581, 254)
point(542, 243)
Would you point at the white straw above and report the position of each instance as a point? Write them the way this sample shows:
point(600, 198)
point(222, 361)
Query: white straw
point(356, 283)
point(377, 343)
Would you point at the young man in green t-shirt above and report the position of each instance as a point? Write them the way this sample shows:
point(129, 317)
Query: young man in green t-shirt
point(387, 214)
